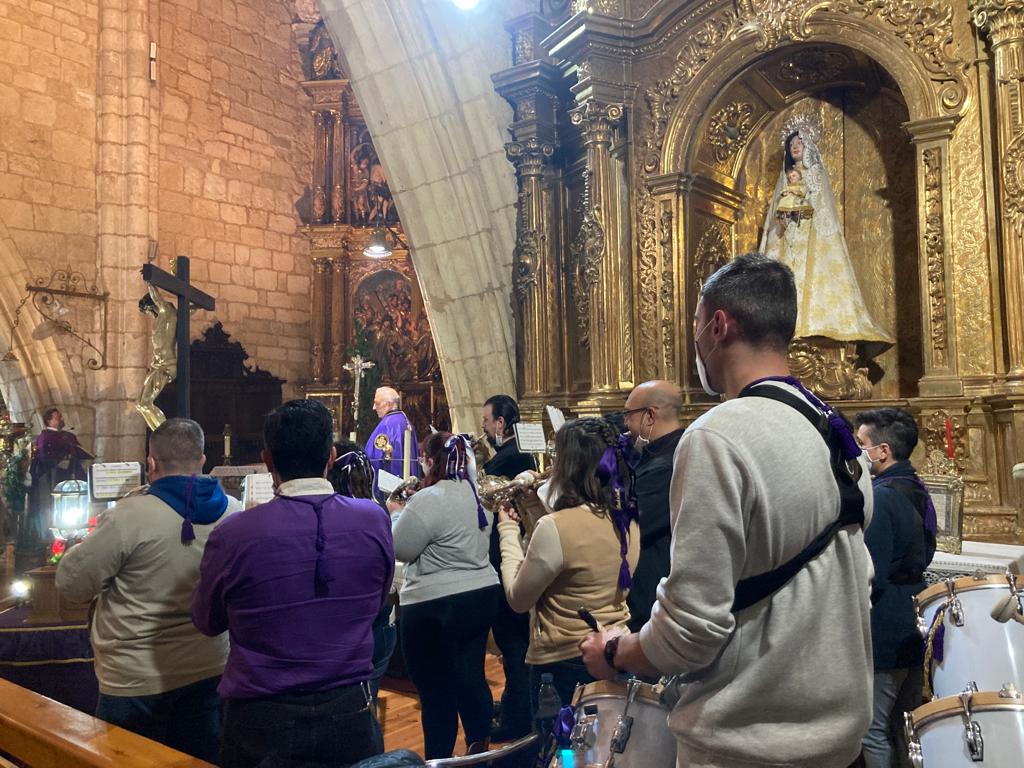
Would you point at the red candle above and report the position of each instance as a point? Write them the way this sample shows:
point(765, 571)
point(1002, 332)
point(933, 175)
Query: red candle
point(949, 438)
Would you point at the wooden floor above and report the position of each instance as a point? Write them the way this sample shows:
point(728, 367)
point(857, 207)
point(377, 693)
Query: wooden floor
point(400, 713)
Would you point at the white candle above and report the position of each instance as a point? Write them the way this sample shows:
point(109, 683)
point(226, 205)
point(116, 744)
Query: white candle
point(407, 452)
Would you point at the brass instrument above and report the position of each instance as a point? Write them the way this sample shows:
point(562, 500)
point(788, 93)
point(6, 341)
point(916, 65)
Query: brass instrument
point(405, 490)
point(495, 491)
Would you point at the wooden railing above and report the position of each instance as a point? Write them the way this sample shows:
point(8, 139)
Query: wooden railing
point(43, 733)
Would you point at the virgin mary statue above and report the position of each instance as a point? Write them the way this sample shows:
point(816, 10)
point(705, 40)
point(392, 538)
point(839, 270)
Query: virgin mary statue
point(802, 230)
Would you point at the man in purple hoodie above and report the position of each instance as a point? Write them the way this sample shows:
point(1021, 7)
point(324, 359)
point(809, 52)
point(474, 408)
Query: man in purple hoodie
point(297, 583)
point(158, 676)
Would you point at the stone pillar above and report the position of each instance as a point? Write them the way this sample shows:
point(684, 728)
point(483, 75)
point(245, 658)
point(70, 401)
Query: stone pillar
point(532, 281)
point(338, 318)
point(602, 282)
point(1003, 22)
point(321, 272)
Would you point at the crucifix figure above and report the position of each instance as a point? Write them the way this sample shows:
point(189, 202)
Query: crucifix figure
point(188, 298)
point(355, 366)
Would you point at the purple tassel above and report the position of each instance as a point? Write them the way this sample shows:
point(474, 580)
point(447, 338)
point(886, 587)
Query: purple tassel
point(456, 469)
point(563, 726)
point(624, 507)
point(321, 571)
point(188, 533)
point(938, 644)
point(850, 448)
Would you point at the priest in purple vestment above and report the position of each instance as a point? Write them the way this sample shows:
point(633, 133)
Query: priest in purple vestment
point(58, 457)
point(386, 446)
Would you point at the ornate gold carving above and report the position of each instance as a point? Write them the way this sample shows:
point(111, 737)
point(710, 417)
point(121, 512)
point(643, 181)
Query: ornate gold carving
point(588, 252)
point(524, 258)
point(323, 60)
point(924, 26)
point(604, 7)
point(647, 277)
point(978, 526)
point(776, 21)
point(522, 50)
point(1000, 18)
point(705, 38)
point(936, 443)
point(596, 120)
point(729, 129)
point(529, 156)
point(713, 250)
point(935, 252)
point(812, 67)
point(829, 369)
point(668, 325)
point(1013, 184)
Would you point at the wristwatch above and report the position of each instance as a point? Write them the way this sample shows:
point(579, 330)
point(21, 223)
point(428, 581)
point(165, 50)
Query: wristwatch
point(610, 649)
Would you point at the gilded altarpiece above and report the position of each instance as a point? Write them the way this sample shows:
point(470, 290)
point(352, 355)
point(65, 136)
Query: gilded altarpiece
point(371, 306)
point(662, 147)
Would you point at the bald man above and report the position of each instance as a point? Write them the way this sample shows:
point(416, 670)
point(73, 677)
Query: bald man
point(652, 418)
point(386, 446)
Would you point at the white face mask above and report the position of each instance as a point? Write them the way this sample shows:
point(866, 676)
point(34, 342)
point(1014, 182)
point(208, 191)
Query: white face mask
point(701, 370)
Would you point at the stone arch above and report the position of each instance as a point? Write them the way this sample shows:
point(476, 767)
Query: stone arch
point(41, 374)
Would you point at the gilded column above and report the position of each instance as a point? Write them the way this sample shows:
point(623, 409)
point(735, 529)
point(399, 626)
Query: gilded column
point(533, 278)
point(337, 317)
point(321, 138)
point(1003, 22)
point(601, 281)
point(338, 168)
point(321, 268)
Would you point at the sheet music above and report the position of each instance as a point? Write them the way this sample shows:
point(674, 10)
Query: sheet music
point(111, 480)
point(386, 481)
point(257, 489)
point(556, 416)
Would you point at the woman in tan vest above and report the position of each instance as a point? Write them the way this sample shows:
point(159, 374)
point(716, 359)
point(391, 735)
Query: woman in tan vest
point(581, 554)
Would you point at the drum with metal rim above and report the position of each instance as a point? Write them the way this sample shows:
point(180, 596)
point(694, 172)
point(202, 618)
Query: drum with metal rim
point(621, 725)
point(969, 729)
point(974, 631)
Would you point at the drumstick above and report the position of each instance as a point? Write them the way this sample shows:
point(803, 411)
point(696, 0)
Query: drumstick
point(588, 617)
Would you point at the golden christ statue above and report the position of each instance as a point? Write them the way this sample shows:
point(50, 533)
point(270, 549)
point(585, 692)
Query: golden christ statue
point(162, 366)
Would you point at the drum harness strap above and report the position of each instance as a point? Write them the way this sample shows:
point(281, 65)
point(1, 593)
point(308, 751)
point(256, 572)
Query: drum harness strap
point(846, 469)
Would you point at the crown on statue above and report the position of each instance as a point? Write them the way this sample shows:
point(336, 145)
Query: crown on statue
point(807, 125)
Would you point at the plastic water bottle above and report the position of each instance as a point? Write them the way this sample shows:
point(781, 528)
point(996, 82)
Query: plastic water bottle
point(548, 700)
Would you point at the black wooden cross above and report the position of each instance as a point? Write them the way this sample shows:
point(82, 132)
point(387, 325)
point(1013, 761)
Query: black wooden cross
point(188, 297)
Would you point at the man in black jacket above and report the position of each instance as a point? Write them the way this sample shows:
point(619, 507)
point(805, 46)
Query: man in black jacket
point(652, 419)
point(511, 629)
point(901, 540)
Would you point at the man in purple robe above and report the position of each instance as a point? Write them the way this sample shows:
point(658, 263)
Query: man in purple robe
point(386, 446)
point(58, 457)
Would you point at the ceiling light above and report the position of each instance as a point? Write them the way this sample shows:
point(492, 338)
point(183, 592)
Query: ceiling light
point(466, 5)
point(378, 247)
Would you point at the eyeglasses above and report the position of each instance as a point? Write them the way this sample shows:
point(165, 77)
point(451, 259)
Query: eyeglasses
point(630, 411)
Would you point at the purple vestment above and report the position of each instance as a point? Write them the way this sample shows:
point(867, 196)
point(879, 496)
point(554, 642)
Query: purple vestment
point(390, 433)
point(297, 591)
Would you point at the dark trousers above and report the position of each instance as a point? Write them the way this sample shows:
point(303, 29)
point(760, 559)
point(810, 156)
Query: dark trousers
point(444, 642)
point(566, 676)
point(512, 636)
point(330, 728)
point(187, 719)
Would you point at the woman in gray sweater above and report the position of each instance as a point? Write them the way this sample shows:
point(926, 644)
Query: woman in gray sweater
point(449, 597)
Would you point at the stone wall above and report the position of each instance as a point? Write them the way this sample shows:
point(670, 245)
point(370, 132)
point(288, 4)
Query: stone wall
point(234, 156)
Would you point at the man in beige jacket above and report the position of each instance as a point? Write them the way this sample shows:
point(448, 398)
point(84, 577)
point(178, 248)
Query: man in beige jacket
point(157, 673)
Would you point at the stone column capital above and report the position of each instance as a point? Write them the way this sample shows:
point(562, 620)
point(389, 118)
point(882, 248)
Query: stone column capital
point(1002, 20)
point(596, 120)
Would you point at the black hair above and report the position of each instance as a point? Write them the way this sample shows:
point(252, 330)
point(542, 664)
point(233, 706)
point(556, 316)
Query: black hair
point(178, 445)
point(892, 426)
point(790, 163)
point(354, 478)
point(146, 304)
point(579, 446)
point(48, 414)
point(760, 295)
point(298, 436)
point(503, 406)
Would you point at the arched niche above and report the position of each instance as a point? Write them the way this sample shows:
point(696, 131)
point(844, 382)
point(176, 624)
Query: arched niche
point(887, 125)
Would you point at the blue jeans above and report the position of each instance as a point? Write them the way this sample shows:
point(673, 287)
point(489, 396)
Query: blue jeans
point(896, 691)
point(385, 637)
point(187, 719)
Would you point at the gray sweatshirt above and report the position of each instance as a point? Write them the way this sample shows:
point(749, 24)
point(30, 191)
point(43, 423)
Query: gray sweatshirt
point(438, 536)
point(788, 681)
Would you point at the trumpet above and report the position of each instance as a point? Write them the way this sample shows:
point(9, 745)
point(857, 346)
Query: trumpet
point(495, 491)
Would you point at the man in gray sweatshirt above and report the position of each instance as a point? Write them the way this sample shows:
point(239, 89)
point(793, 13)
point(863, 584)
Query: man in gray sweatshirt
point(786, 680)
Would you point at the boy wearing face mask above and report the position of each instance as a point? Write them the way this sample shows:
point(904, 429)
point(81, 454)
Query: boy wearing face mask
point(652, 418)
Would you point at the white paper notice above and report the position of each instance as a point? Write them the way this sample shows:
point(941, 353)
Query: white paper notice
point(257, 489)
point(530, 437)
point(386, 481)
point(111, 480)
point(556, 416)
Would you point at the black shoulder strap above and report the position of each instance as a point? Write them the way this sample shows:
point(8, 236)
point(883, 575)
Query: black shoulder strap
point(754, 589)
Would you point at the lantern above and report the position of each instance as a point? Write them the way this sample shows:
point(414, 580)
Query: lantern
point(70, 507)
